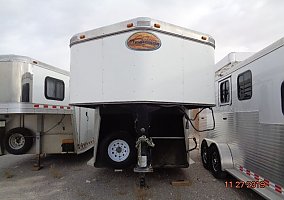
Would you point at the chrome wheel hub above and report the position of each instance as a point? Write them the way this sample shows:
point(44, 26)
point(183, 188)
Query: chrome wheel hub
point(17, 141)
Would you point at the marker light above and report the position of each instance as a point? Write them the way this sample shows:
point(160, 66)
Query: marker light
point(157, 25)
point(82, 36)
point(129, 25)
point(204, 38)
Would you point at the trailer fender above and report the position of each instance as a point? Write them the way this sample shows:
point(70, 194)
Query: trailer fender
point(224, 152)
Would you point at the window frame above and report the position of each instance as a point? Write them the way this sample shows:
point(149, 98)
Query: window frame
point(229, 92)
point(45, 88)
point(238, 85)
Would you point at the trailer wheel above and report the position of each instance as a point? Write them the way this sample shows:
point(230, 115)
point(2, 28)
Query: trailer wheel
point(205, 155)
point(216, 163)
point(18, 141)
point(118, 149)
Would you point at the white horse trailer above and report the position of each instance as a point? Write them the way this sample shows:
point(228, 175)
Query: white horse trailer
point(248, 140)
point(143, 76)
point(35, 116)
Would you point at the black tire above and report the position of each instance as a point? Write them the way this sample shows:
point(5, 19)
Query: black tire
point(216, 163)
point(18, 141)
point(205, 155)
point(111, 153)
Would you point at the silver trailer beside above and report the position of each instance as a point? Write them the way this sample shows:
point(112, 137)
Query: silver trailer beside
point(35, 116)
point(248, 140)
point(143, 76)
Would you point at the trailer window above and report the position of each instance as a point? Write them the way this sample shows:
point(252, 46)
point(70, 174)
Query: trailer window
point(282, 97)
point(245, 85)
point(54, 89)
point(225, 92)
point(26, 92)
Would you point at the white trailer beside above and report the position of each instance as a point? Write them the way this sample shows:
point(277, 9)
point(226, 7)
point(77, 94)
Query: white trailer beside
point(35, 116)
point(143, 76)
point(248, 140)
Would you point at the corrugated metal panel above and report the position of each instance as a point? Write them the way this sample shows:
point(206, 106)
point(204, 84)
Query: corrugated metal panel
point(258, 147)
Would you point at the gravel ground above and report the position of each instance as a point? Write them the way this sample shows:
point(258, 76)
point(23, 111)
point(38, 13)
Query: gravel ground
point(69, 177)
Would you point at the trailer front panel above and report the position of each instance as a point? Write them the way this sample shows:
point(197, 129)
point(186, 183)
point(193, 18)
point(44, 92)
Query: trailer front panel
point(144, 76)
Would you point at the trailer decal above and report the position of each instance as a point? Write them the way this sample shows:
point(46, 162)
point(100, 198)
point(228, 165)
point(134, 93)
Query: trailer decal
point(143, 41)
point(268, 183)
point(52, 106)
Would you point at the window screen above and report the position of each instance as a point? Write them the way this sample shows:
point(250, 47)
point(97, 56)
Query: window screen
point(225, 92)
point(245, 85)
point(54, 89)
point(282, 97)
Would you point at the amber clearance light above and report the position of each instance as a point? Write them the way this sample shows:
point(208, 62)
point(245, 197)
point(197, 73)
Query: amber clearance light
point(82, 36)
point(129, 25)
point(157, 25)
point(204, 38)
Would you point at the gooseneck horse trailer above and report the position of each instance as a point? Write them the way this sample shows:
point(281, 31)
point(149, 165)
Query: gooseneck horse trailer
point(35, 116)
point(143, 76)
point(248, 141)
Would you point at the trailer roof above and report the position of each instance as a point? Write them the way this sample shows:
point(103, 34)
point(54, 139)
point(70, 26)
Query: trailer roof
point(233, 57)
point(25, 59)
point(143, 23)
point(228, 70)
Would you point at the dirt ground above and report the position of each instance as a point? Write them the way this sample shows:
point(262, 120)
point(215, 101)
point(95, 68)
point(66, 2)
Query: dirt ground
point(68, 177)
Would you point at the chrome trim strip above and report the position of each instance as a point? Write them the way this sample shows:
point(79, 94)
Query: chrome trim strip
point(74, 40)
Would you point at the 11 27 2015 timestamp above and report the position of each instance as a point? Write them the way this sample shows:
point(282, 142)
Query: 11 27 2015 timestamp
point(245, 184)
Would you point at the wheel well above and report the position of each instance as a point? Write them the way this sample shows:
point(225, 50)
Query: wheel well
point(208, 142)
point(115, 122)
point(224, 152)
point(20, 129)
point(214, 145)
point(111, 122)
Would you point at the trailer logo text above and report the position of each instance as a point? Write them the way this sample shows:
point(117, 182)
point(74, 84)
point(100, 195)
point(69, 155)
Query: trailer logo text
point(143, 41)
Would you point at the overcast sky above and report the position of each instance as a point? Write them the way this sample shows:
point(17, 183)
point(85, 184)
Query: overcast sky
point(42, 29)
